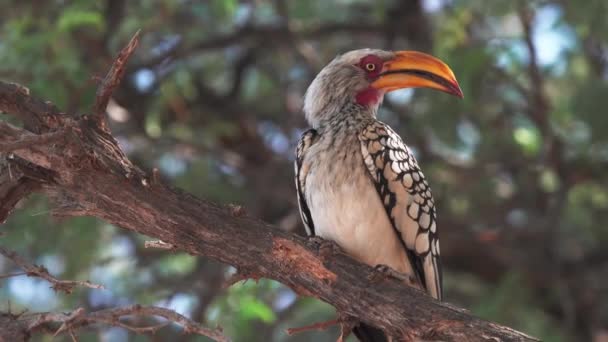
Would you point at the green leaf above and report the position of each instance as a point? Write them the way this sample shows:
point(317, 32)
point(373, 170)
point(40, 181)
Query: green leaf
point(73, 19)
point(252, 308)
point(528, 138)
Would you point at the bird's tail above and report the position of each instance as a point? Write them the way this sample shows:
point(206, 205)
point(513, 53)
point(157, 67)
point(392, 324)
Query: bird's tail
point(367, 333)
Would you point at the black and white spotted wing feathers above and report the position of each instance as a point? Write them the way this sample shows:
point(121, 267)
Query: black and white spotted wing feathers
point(305, 142)
point(407, 199)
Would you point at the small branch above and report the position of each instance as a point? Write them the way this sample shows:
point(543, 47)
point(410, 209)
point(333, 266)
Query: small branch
point(37, 115)
point(13, 188)
point(66, 286)
point(317, 326)
point(113, 78)
point(540, 110)
point(189, 326)
point(280, 35)
point(71, 321)
point(29, 140)
point(11, 275)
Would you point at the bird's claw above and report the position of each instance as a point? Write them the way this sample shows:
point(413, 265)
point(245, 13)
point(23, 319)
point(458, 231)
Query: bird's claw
point(383, 271)
point(316, 240)
point(326, 248)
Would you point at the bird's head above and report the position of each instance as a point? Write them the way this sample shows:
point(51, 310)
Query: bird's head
point(364, 76)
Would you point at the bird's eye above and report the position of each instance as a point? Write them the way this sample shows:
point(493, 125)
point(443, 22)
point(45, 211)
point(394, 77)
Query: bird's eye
point(370, 66)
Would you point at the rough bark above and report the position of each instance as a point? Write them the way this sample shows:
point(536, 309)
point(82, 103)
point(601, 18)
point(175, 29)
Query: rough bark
point(77, 163)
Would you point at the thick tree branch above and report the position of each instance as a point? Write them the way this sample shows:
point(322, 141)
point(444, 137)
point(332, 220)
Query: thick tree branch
point(91, 176)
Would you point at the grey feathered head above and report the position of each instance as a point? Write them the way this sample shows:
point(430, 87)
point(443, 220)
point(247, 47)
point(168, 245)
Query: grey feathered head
point(364, 76)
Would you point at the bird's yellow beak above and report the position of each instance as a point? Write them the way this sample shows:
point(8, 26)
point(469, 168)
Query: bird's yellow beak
point(410, 69)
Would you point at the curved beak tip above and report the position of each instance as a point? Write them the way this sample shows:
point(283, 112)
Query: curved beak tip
point(412, 69)
point(456, 91)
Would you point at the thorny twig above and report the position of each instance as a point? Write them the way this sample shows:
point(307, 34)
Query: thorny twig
point(32, 270)
point(316, 326)
point(70, 321)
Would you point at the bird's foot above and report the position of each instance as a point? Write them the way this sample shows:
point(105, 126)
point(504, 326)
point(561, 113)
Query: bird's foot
point(316, 241)
point(326, 248)
point(383, 271)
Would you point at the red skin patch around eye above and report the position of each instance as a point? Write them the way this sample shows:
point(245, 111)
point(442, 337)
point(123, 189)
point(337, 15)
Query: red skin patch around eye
point(371, 59)
point(369, 97)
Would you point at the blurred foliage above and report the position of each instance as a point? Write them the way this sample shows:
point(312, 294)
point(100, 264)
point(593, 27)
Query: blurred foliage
point(213, 97)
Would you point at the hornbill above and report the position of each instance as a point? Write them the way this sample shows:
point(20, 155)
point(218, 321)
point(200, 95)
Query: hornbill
point(357, 183)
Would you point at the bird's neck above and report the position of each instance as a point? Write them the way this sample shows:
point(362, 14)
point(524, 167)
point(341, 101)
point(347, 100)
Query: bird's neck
point(351, 116)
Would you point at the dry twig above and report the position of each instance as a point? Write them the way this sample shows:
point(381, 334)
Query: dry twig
point(71, 321)
point(32, 270)
point(316, 326)
point(113, 78)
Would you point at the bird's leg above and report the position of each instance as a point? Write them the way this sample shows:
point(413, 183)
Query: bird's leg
point(383, 271)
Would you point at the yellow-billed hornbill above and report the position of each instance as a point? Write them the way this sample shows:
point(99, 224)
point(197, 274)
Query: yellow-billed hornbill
point(358, 184)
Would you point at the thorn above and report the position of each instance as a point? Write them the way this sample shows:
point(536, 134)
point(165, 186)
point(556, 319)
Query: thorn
point(240, 275)
point(69, 321)
point(317, 326)
point(96, 79)
point(73, 335)
point(155, 176)
point(144, 182)
point(21, 89)
point(454, 307)
point(236, 210)
point(159, 244)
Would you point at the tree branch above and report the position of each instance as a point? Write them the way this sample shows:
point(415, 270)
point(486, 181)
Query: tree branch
point(113, 78)
point(103, 183)
point(66, 286)
point(259, 34)
point(13, 187)
point(23, 326)
point(25, 140)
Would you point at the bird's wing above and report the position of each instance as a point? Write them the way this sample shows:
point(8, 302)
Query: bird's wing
point(407, 199)
point(306, 141)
